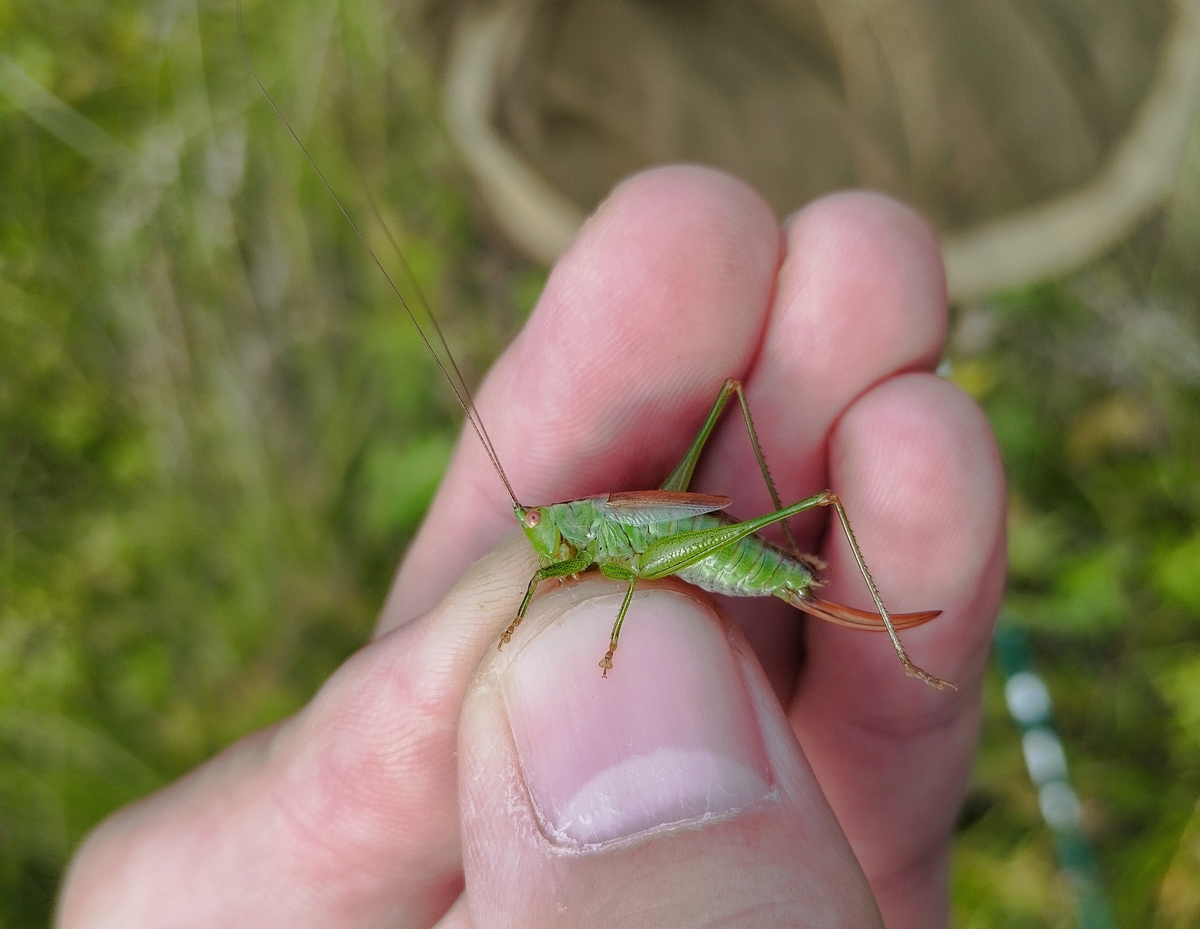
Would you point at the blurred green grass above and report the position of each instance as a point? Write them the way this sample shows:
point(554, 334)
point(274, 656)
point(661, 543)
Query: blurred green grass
point(216, 434)
point(1092, 385)
point(216, 429)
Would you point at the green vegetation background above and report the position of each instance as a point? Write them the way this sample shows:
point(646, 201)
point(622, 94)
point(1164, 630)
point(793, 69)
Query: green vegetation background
point(217, 432)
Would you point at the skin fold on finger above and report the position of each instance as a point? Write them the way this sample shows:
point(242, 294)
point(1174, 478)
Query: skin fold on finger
point(344, 815)
point(916, 463)
point(548, 841)
point(661, 297)
point(861, 297)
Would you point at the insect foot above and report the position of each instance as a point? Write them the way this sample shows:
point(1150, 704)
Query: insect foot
point(935, 682)
point(606, 663)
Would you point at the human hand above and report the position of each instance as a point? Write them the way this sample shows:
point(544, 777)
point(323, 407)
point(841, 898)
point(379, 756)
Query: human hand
point(429, 753)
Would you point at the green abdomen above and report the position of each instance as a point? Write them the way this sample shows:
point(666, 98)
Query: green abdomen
point(752, 567)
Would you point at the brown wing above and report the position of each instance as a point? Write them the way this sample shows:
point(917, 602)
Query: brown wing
point(642, 507)
point(861, 619)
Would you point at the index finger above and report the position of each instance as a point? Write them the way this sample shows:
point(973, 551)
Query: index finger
point(663, 295)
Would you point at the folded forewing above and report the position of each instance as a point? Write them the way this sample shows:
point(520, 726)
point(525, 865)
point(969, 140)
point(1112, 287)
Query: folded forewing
point(642, 507)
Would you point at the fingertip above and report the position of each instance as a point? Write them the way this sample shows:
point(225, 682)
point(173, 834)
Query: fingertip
point(864, 274)
point(888, 246)
point(681, 189)
point(675, 251)
point(918, 470)
point(916, 460)
point(664, 202)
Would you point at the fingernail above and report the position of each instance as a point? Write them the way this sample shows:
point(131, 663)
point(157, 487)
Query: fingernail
point(669, 736)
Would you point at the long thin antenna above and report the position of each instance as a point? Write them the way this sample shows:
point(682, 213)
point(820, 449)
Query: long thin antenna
point(457, 383)
point(477, 420)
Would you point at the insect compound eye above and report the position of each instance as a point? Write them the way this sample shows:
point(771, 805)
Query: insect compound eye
point(532, 518)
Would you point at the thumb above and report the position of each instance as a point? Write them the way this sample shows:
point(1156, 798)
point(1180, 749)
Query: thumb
point(671, 792)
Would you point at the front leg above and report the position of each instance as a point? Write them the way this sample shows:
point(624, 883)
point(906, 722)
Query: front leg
point(618, 573)
point(580, 562)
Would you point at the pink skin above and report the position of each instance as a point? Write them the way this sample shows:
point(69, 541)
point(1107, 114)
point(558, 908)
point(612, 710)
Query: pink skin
point(360, 809)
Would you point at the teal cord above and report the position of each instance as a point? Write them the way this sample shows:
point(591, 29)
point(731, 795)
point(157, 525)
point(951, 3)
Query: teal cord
point(1029, 704)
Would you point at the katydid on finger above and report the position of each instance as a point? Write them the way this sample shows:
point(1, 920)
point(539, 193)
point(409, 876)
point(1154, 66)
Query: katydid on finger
point(653, 534)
